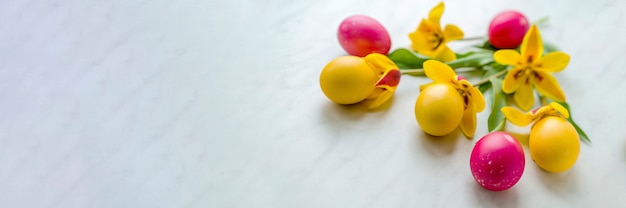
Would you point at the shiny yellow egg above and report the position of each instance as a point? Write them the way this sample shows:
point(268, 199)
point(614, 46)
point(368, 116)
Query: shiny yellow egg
point(348, 80)
point(554, 144)
point(439, 109)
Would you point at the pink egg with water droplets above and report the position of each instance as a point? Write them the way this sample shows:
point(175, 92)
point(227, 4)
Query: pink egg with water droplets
point(497, 161)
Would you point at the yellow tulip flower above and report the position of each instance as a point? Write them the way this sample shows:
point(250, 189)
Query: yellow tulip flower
point(430, 39)
point(388, 80)
point(531, 68)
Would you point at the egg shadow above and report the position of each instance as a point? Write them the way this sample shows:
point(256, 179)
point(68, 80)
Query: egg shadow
point(438, 145)
point(559, 183)
point(342, 113)
point(487, 198)
point(338, 116)
point(354, 111)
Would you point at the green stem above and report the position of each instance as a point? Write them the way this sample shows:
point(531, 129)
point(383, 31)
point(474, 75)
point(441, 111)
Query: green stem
point(474, 38)
point(412, 71)
point(421, 71)
point(486, 79)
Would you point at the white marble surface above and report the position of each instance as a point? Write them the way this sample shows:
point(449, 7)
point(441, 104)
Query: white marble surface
point(134, 103)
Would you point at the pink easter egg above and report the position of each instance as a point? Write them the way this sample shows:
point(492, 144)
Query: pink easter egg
point(361, 35)
point(497, 161)
point(507, 29)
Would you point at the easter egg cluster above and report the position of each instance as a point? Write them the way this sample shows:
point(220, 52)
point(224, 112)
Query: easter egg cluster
point(367, 76)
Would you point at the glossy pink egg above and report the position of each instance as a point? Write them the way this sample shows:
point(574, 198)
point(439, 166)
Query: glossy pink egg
point(497, 161)
point(507, 29)
point(361, 35)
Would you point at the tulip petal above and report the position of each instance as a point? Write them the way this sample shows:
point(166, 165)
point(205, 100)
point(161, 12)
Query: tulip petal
point(444, 53)
point(435, 13)
point(540, 113)
point(391, 78)
point(452, 32)
point(507, 57)
point(547, 85)
point(439, 72)
point(512, 81)
point(468, 122)
point(475, 97)
point(478, 99)
point(377, 91)
point(524, 95)
point(515, 116)
point(423, 39)
point(532, 46)
point(553, 62)
point(383, 97)
point(380, 63)
point(559, 108)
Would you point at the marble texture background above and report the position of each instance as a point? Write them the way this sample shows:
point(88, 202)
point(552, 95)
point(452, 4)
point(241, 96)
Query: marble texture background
point(134, 103)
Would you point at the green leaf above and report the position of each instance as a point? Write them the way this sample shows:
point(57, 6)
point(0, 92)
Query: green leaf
point(580, 131)
point(483, 88)
point(492, 69)
point(406, 59)
point(478, 59)
point(486, 45)
point(463, 55)
point(496, 120)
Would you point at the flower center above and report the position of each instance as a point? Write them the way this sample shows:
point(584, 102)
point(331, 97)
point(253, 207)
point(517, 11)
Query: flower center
point(530, 59)
point(436, 39)
point(464, 90)
point(526, 74)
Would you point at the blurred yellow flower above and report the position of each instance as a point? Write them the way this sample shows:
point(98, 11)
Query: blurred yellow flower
point(430, 39)
point(531, 69)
